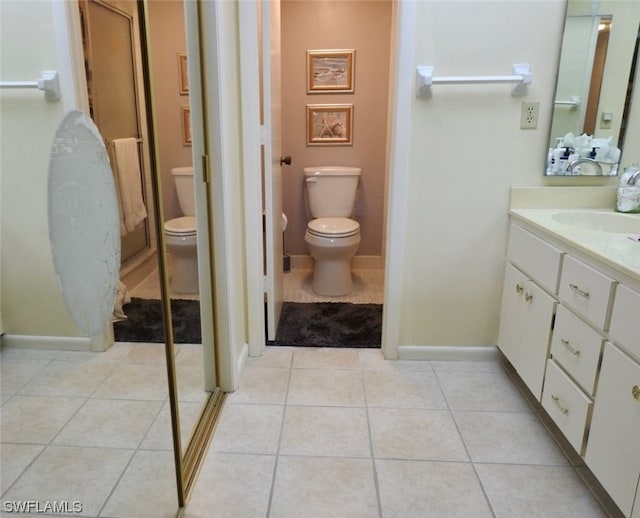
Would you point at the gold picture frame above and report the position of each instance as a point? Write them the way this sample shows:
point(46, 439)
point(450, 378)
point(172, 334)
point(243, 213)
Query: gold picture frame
point(183, 74)
point(185, 116)
point(329, 124)
point(330, 71)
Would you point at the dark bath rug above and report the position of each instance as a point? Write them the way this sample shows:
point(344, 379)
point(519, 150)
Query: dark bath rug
point(144, 322)
point(330, 324)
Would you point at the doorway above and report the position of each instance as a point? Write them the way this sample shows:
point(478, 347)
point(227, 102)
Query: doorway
point(310, 26)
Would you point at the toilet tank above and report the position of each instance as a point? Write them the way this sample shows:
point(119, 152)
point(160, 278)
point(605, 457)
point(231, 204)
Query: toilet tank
point(331, 190)
point(183, 179)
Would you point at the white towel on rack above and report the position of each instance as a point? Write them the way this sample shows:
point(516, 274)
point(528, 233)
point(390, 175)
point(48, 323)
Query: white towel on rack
point(129, 183)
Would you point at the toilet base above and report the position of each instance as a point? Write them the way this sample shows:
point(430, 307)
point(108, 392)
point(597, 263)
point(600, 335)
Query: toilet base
point(332, 278)
point(184, 271)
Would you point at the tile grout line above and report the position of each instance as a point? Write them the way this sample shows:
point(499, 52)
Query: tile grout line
point(376, 480)
point(277, 454)
point(466, 449)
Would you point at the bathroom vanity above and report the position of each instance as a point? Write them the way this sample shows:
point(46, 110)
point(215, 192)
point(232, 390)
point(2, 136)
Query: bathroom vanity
point(570, 327)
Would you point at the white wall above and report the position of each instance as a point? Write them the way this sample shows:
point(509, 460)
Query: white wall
point(31, 300)
point(467, 149)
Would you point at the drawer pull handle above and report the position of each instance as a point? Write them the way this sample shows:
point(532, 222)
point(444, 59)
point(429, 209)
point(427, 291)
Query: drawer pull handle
point(580, 292)
point(635, 391)
point(519, 288)
point(556, 400)
point(528, 297)
point(567, 346)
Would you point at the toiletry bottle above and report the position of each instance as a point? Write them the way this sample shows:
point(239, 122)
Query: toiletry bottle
point(629, 193)
point(564, 160)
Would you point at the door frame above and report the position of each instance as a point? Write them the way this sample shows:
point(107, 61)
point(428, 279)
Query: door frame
point(403, 29)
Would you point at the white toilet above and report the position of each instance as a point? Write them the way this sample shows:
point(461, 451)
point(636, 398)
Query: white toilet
point(180, 235)
point(332, 237)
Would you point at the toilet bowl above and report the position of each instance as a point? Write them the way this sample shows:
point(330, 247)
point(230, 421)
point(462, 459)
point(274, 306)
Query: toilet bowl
point(181, 241)
point(332, 236)
point(181, 236)
point(332, 242)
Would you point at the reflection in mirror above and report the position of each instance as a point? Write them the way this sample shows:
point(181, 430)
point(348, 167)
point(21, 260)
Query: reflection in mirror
point(594, 86)
point(161, 313)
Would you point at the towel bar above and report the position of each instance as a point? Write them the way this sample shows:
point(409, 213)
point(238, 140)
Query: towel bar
point(48, 82)
point(521, 76)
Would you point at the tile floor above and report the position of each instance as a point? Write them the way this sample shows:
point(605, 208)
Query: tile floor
point(310, 432)
point(94, 428)
point(341, 432)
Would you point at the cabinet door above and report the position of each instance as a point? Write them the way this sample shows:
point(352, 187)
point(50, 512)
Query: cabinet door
point(613, 452)
point(525, 327)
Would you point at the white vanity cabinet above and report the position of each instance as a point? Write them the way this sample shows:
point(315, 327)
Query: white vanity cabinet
point(613, 448)
point(528, 305)
point(578, 351)
point(579, 333)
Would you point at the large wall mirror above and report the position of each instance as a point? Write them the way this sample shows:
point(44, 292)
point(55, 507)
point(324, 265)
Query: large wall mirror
point(596, 72)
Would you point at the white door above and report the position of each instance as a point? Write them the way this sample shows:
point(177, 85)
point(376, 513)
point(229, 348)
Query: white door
point(272, 167)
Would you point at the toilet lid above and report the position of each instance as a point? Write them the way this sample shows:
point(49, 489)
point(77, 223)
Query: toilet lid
point(182, 226)
point(333, 227)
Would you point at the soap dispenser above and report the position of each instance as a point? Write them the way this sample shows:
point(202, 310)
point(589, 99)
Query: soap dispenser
point(629, 190)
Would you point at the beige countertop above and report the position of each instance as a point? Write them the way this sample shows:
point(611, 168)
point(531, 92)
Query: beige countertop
point(617, 250)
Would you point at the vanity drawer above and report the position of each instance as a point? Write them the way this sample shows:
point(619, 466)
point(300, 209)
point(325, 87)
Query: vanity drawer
point(567, 405)
point(577, 347)
point(535, 257)
point(625, 327)
point(586, 291)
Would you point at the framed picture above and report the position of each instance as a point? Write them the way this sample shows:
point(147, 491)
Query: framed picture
point(183, 76)
point(185, 113)
point(329, 124)
point(330, 71)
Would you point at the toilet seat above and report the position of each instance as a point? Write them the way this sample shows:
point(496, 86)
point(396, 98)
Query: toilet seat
point(183, 226)
point(333, 227)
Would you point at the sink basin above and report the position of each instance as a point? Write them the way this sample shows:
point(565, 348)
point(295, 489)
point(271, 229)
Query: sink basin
point(614, 222)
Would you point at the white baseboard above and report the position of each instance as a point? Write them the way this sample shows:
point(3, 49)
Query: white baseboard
point(60, 343)
point(428, 352)
point(359, 262)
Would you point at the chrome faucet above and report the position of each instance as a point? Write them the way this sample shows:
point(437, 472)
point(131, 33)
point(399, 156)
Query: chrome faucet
point(584, 160)
point(633, 178)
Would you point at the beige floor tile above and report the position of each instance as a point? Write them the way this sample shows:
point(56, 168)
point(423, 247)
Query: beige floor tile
point(115, 353)
point(14, 458)
point(403, 389)
point(146, 353)
point(467, 366)
point(508, 437)
point(147, 488)
point(35, 419)
point(325, 358)
point(232, 486)
point(415, 434)
point(159, 436)
point(417, 489)
point(16, 373)
point(537, 492)
point(481, 391)
point(248, 429)
point(65, 378)
point(109, 423)
point(325, 431)
point(189, 354)
point(190, 378)
point(261, 385)
point(373, 359)
point(86, 475)
point(273, 356)
point(331, 387)
point(321, 487)
point(135, 381)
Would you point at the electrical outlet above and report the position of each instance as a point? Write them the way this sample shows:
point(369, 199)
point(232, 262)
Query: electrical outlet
point(529, 115)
